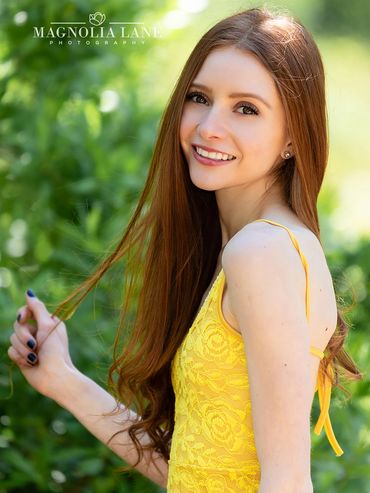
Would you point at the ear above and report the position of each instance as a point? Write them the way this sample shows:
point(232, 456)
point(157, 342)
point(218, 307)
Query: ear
point(287, 151)
point(288, 145)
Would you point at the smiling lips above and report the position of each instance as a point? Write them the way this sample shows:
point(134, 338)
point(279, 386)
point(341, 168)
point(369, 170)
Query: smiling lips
point(211, 158)
point(213, 154)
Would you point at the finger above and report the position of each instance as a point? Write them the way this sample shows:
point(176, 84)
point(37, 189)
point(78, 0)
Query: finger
point(17, 358)
point(22, 350)
point(24, 314)
point(26, 333)
point(40, 313)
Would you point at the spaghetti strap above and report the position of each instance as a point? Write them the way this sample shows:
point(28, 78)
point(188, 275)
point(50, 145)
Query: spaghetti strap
point(323, 383)
point(317, 352)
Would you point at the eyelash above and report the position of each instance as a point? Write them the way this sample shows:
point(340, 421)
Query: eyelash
point(250, 106)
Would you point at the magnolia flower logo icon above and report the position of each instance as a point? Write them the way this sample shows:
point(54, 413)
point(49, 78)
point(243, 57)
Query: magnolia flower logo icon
point(97, 18)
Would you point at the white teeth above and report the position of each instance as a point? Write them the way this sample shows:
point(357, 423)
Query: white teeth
point(214, 155)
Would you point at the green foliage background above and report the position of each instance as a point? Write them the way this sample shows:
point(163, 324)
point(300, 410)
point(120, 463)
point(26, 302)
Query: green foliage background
point(71, 170)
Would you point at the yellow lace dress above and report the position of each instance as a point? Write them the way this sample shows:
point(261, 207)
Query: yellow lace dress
point(213, 448)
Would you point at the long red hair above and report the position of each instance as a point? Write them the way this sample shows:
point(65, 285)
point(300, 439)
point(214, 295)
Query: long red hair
point(173, 239)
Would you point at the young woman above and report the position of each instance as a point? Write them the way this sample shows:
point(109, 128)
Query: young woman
point(237, 323)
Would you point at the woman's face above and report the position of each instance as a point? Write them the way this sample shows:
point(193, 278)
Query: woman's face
point(249, 127)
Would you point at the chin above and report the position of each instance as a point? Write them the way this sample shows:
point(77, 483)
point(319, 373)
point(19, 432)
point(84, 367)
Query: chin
point(204, 182)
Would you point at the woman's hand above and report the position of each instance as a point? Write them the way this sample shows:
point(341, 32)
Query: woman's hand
point(54, 375)
point(41, 351)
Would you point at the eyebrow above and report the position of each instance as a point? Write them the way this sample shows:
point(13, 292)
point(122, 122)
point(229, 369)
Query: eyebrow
point(235, 94)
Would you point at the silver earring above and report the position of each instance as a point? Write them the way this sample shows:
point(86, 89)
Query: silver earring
point(286, 155)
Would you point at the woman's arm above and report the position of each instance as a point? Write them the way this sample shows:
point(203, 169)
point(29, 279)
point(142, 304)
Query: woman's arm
point(52, 373)
point(284, 485)
point(86, 400)
point(264, 285)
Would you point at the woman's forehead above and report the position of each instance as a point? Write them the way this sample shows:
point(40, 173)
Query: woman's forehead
point(232, 70)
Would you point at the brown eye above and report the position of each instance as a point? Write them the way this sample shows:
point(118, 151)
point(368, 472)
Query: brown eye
point(192, 95)
point(252, 110)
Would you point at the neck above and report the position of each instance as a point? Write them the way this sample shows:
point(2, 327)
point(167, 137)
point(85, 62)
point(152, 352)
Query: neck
point(238, 206)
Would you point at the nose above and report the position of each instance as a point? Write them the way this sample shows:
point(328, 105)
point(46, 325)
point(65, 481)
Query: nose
point(211, 126)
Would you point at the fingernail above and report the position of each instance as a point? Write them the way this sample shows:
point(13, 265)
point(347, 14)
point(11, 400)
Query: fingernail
point(31, 293)
point(31, 357)
point(31, 343)
point(19, 317)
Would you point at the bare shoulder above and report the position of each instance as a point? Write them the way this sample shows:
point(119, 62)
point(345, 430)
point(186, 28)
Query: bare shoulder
point(257, 261)
point(268, 252)
point(253, 237)
point(261, 234)
point(264, 243)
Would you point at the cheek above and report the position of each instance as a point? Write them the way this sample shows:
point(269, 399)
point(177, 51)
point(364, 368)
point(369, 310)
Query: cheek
point(260, 138)
point(187, 127)
point(187, 122)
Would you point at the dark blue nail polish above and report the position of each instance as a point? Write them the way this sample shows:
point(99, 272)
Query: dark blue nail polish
point(32, 357)
point(18, 317)
point(31, 293)
point(31, 344)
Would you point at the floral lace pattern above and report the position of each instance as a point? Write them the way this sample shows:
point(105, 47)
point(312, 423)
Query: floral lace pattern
point(213, 448)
